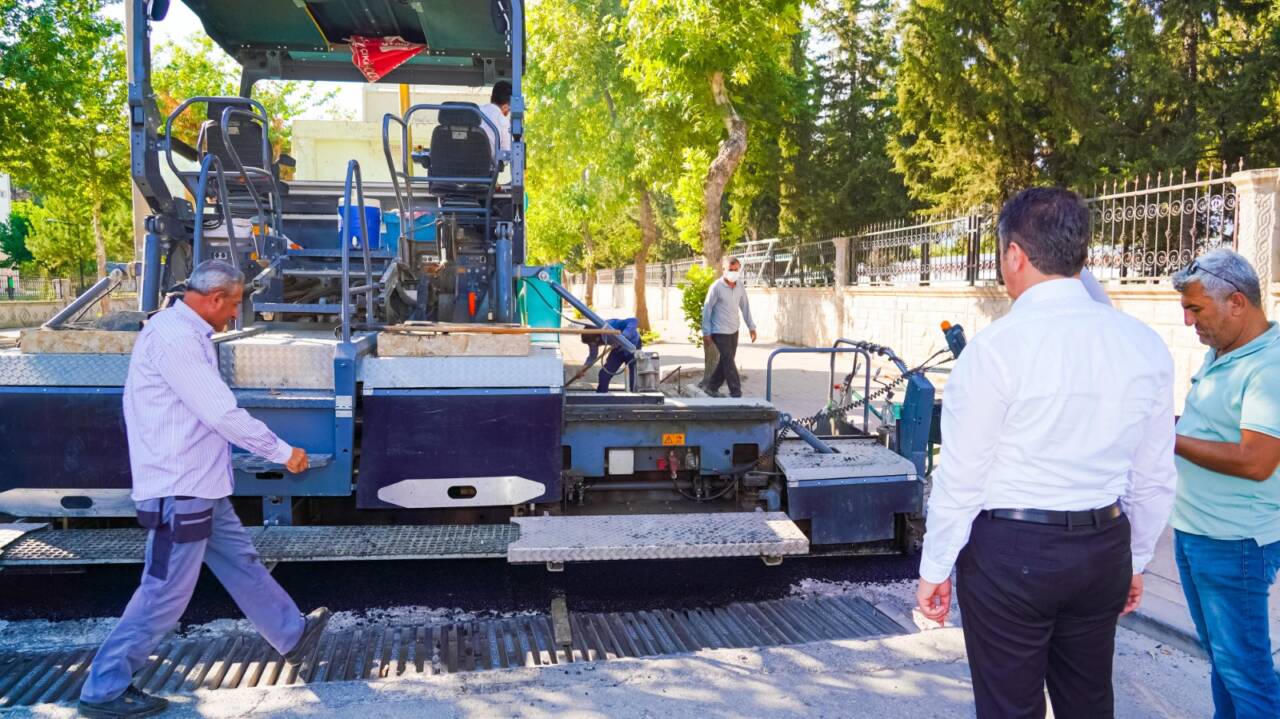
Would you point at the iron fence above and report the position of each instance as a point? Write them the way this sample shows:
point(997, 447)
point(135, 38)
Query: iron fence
point(1145, 231)
point(1140, 231)
point(54, 289)
point(960, 249)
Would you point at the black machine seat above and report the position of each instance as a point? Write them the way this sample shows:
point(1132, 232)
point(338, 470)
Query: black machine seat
point(245, 150)
point(460, 153)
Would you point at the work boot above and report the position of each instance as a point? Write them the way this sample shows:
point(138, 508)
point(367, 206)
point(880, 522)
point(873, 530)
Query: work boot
point(133, 703)
point(311, 632)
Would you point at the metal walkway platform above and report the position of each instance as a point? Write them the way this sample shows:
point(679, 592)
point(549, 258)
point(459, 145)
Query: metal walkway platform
point(242, 661)
point(46, 547)
point(655, 536)
point(525, 540)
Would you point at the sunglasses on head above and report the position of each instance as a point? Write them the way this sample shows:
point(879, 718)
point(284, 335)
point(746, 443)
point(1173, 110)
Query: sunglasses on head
point(1195, 267)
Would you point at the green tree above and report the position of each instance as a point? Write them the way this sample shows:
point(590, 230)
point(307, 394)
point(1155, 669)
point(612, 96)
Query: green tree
point(13, 239)
point(845, 176)
point(706, 71)
point(993, 97)
point(63, 114)
point(594, 148)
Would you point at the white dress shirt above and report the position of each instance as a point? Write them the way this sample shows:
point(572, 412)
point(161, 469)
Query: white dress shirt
point(179, 415)
point(502, 122)
point(1063, 404)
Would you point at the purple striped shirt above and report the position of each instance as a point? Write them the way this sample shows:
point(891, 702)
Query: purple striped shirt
point(180, 415)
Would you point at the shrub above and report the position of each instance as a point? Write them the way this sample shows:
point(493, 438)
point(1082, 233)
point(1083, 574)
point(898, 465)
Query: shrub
point(694, 288)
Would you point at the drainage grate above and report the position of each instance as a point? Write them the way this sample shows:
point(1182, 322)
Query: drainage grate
point(241, 661)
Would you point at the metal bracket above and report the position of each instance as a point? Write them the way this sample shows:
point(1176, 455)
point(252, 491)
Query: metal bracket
point(555, 566)
point(771, 560)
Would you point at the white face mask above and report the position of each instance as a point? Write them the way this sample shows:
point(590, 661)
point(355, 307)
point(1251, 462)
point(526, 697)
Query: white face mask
point(731, 275)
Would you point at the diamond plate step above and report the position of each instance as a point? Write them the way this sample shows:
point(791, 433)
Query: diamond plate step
point(180, 665)
point(275, 544)
point(655, 536)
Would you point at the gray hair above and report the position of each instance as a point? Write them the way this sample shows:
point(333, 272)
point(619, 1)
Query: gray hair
point(1051, 225)
point(1221, 273)
point(732, 259)
point(213, 275)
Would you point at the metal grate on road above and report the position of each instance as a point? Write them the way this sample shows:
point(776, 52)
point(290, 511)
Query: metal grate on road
point(381, 652)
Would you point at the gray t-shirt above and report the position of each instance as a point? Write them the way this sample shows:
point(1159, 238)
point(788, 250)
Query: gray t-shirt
point(720, 310)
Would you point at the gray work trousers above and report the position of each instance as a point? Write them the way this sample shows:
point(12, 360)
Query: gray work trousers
point(186, 532)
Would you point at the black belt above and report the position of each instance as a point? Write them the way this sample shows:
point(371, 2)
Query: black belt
point(1083, 518)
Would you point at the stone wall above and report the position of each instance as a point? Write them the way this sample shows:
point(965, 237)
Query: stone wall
point(908, 319)
point(27, 314)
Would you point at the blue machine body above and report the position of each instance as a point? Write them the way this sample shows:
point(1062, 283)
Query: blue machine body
point(457, 434)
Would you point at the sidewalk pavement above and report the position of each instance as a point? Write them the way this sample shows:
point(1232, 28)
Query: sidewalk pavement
point(1163, 614)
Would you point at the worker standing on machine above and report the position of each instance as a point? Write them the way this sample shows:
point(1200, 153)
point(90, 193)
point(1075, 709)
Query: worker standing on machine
point(618, 357)
point(180, 417)
point(1056, 476)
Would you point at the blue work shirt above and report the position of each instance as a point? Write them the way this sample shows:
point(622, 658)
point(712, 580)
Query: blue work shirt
point(1237, 391)
point(628, 328)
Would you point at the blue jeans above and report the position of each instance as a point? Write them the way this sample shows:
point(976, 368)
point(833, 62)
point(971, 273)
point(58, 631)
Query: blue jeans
point(1227, 582)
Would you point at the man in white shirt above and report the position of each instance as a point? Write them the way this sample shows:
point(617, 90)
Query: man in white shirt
point(180, 417)
point(1056, 475)
point(498, 111)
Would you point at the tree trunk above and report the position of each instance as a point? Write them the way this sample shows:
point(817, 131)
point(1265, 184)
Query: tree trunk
point(732, 150)
point(99, 240)
point(589, 259)
point(648, 238)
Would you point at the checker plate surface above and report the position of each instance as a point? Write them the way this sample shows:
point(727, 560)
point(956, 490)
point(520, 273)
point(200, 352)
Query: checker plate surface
point(855, 458)
point(655, 536)
point(62, 370)
point(275, 360)
point(275, 544)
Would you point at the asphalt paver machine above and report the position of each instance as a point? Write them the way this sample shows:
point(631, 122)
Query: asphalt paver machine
point(438, 425)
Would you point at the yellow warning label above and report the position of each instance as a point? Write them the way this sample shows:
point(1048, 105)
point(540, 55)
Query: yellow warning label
point(670, 440)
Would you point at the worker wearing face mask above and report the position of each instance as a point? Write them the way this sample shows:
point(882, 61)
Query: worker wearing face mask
point(725, 299)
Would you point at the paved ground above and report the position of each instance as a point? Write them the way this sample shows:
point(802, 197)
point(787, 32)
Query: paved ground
point(916, 675)
point(1163, 614)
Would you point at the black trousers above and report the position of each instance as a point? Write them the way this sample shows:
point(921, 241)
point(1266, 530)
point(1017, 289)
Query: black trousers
point(726, 370)
point(1039, 604)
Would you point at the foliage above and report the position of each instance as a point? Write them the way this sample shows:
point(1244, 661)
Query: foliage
point(64, 120)
point(61, 242)
point(693, 292)
point(993, 97)
point(14, 252)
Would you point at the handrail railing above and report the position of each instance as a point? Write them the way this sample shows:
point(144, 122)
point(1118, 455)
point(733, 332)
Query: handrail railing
point(368, 288)
point(225, 127)
point(211, 162)
point(405, 200)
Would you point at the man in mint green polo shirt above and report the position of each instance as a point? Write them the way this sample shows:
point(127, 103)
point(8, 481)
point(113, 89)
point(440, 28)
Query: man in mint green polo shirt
point(1227, 514)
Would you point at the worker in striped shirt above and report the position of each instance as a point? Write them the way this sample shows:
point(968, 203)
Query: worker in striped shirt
point(180, 418)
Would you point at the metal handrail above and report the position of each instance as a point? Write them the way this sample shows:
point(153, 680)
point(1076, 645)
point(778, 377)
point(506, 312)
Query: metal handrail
point(368, 288)
point(181, 108)
point(211, 162)
point(768, 367)
point(405, 201)
point(225, 126)
point(866, 388)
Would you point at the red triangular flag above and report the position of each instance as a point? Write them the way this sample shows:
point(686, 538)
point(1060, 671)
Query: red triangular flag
point(377, 56)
